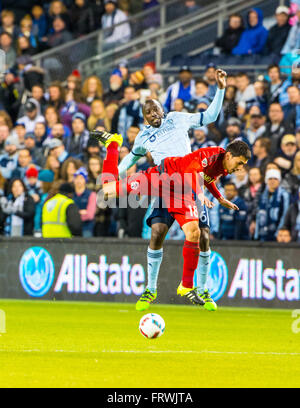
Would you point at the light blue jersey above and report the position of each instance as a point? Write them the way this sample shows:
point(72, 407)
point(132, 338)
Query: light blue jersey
point(171, 139)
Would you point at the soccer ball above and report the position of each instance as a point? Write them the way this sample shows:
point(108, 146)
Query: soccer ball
point(152, 325)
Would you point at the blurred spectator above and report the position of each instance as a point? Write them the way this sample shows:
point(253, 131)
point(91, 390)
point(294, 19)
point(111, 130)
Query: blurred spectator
point(53, 164)
point(229, 104)
point(124, 69)
point(275, 83)
point(151, 20)
point(27, 31)
point(36, 152)
point(272, 208)
point(80, 136)
point(233, 223)
point(129, 113)
point(97, 113)
point(253, 39)
point(261, 97)
point(291, 181)
point(116, 88)
point(179, 105)
point(46, 178)
point(56, 95)
point(4, 134)
point(69, 168)
point(201, 91)
point(110, 111)
point(285, 156)
point(114, 36)
point(60, 215)
point(73, 90)
point(40, 21)
point(292, 219)
point(58, 9)
point(137, 80)
point(60, 34)
point(58, 151)
point(6, 44)
point(261, 153)
point(257, 127)
point(9, 96)
point(183, 89)
point(82, 18)
point(9, 159)
point(94, 168)
point(37, 93)
point(32, 115)
point(245, 90)
point(275, 127)
point(210, 78)
point(293, 40)
point(155, 86)
point(40, 133)
point(32, 184)
point(199, 139)
point(23, 164)
point(8, 24)
point(85, 201)
point(231, 35)
point(278, 32)
point(52, 118)
point(292, 108)
point(233, 132)
point(92, 89)
point(251, 196)
point(19, 132)
point(24, 47)
point(284, 236)
point(240, 180)
point(18, 208)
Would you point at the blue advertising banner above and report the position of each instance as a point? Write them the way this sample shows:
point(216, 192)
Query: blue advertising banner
point(241, 274)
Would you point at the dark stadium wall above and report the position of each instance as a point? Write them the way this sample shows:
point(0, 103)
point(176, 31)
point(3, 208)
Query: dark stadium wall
point(241, 274)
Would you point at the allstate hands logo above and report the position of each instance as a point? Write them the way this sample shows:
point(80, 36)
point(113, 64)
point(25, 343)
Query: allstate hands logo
point(36, 271)
point(218, 276)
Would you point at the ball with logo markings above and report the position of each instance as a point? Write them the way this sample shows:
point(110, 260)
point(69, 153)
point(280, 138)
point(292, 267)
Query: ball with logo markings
point(152, 325)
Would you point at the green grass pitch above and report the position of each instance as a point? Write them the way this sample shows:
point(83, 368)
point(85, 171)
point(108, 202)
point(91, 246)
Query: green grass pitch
point(78, 344)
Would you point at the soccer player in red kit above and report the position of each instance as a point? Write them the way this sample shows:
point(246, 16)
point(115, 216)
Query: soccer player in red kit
point(203, 166)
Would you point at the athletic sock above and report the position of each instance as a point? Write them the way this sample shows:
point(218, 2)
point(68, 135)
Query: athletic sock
point(154, 259)
point(190, 254)
point(110, 165)
point(202, 270)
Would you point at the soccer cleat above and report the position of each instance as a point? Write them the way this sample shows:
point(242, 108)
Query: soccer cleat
point(209, 302)
point(106, 138)
point(144, 301)
point(190, 294)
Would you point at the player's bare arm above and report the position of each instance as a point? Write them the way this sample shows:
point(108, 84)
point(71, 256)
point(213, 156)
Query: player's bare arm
point(221, 78)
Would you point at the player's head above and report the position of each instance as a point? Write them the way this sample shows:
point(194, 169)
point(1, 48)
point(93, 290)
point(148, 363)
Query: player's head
point(237, 155)
point(153, 112)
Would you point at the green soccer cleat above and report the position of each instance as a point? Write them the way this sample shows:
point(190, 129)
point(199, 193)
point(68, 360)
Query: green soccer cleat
point(190, 294)
point(209, 302)
point(106, 138)
point(144, 301)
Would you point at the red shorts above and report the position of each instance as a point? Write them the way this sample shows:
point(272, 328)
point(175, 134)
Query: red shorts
point(153, 182)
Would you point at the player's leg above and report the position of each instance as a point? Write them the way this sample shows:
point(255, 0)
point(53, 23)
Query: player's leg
point(160, 221)
point(203, 267)
point(190, 254)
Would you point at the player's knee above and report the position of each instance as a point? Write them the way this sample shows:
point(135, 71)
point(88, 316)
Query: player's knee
point(204, 239)
point(158, 233)
point(192, 232)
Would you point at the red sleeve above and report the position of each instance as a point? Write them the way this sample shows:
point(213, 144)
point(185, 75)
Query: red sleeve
point(213, 189)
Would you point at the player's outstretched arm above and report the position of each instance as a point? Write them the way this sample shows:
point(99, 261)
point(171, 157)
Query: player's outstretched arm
point(126, 163)
point(212, 112)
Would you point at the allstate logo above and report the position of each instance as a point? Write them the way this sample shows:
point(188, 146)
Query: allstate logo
point(218, 276)
point(36, 271)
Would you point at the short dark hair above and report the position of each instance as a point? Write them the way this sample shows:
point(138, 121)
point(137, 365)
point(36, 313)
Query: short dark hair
point(202, 81)
point(274, 66)
point(231, 183)
point(264, 142)
point(239, 148)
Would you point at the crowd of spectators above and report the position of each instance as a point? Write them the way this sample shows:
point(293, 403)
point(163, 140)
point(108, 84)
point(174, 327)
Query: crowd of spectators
point(44, 142)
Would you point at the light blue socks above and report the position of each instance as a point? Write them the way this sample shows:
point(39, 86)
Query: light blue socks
point(202, 270)
point(154, 259)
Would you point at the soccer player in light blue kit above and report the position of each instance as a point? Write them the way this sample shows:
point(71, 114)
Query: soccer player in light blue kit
point(168, 137)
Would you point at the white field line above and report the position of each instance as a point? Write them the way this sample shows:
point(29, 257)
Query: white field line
point(263, 353)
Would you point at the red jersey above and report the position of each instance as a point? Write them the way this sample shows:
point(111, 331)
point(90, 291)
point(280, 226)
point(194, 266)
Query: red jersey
point(208, 161)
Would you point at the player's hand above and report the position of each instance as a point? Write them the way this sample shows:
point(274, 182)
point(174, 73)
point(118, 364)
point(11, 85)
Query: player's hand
point(228, 204)
point(208, 203)
point(221, 78)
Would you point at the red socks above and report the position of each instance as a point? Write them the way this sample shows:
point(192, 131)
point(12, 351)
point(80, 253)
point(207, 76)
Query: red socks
point(190, 254)
point(110, 165)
